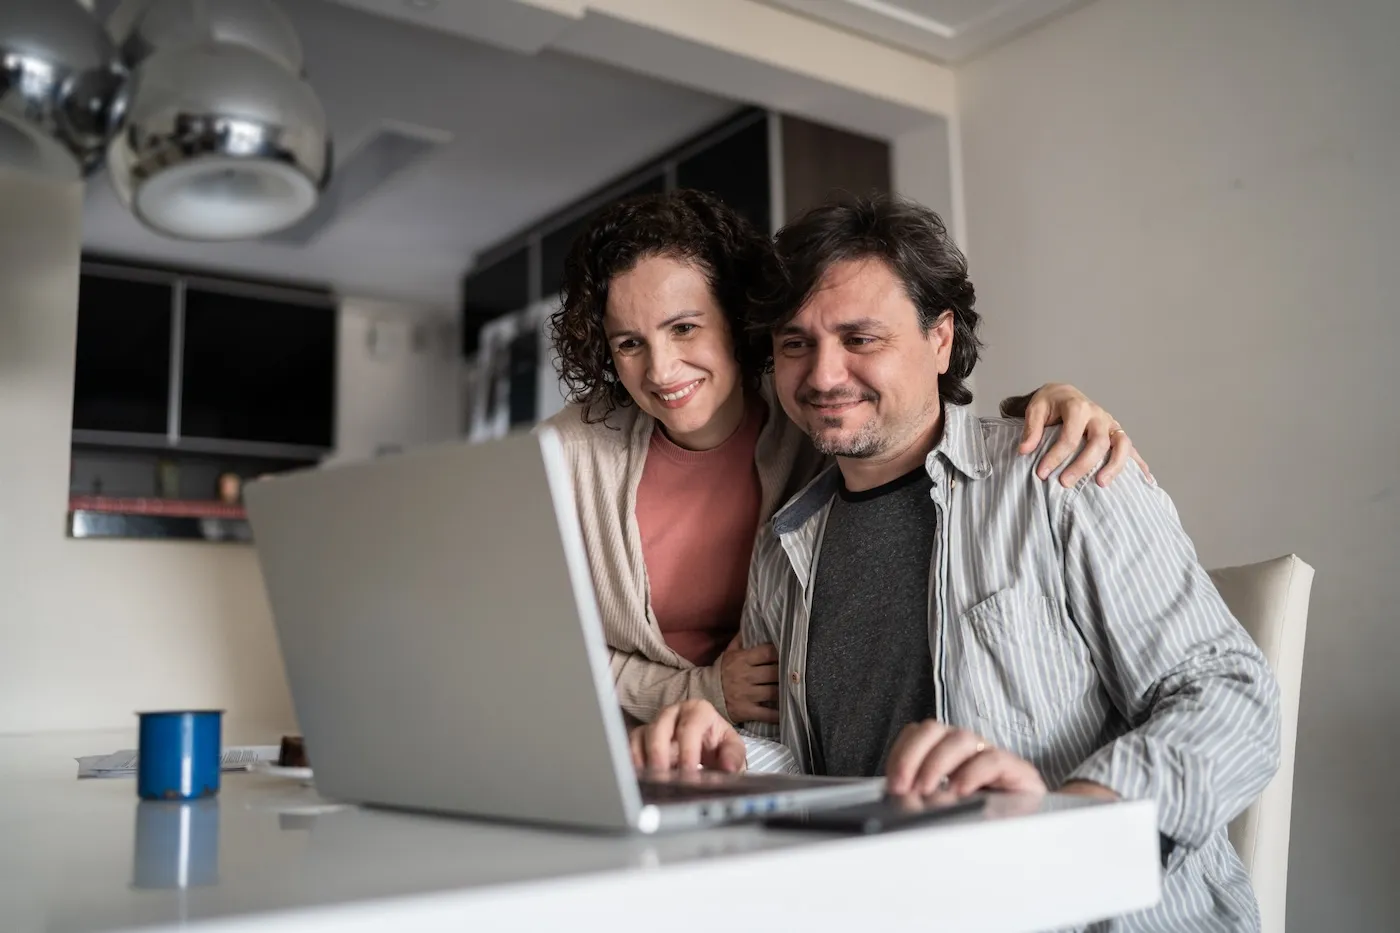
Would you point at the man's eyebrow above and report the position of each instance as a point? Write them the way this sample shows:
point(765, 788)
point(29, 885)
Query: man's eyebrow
point(845, 327)
point(861, 324)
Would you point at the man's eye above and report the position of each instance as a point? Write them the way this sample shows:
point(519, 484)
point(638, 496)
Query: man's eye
point(856, 341)
point(681, 330)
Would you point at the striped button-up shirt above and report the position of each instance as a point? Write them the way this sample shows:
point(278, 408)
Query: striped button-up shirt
point(1076, 628)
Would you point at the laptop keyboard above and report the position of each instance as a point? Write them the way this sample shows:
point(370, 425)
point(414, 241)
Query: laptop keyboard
point(709, 785)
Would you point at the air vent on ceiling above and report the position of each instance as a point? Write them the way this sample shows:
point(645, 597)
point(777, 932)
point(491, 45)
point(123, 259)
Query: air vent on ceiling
point(389, 151)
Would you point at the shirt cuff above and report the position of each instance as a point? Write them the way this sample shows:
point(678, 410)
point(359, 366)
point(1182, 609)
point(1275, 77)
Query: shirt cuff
point(1123, 767)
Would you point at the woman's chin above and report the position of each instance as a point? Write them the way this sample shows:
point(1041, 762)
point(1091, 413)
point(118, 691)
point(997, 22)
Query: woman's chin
point(684, 422)
point(680, 424)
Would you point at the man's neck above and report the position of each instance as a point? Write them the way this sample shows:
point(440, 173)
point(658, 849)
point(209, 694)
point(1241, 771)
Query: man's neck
point(862, 473)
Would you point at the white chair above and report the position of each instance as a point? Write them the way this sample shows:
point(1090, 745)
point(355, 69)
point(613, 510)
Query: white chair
point(1271, 600)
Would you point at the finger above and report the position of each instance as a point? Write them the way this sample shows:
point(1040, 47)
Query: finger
point(760, 654)
point(731, 755)
point(1095, 448)
point(754, 712)
point(1120, 447)
point(909, 803)
point(907, 754)
point(735, 643)
point(941, 797)
point(1070, 435)
point(760, 674)
point(659, 736)
point(1037, 413)
point(763, 693)
point(956, 747)
point(693, 733)
point(1146, 470)
point(995, 769)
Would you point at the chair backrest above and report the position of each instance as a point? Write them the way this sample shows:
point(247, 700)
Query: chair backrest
point(1271, 600)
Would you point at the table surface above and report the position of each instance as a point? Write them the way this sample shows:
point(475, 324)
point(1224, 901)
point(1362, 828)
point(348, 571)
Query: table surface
point(269, 854)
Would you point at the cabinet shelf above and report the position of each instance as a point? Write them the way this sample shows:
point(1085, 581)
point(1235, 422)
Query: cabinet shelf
point(127, 440)
point(175, 519)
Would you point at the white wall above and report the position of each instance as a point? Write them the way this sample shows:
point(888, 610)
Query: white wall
point(1192, 210)
point(397, 377)
point(91, 631)
point(921, 168)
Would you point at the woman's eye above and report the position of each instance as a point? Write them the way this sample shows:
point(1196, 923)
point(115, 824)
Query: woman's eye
point(681, 330)
point(627, 346)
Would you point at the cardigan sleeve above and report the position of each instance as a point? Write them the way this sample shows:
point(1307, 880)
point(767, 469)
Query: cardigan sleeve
point(645, 687)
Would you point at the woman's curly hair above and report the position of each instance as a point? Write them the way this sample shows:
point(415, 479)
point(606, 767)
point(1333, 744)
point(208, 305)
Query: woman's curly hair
point(687, 225)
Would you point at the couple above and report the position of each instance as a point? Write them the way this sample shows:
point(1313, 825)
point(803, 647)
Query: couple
point(972, 622)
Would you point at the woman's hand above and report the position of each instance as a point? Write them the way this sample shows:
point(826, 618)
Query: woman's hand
point(1084, 421)
point(749, 677)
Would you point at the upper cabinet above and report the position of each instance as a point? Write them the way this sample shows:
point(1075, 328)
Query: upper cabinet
point(258, 370)
point(122, 376)
point(734, 167)
point(167, 360)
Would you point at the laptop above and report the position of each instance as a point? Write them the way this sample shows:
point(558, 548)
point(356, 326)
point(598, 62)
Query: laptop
point(445, 653)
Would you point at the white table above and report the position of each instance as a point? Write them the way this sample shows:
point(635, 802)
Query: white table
point(270, 856)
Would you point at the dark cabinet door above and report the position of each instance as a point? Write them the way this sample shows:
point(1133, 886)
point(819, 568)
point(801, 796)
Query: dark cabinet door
point(735, 169)
point(258, 370)
point(122, 368)
point(499, 287)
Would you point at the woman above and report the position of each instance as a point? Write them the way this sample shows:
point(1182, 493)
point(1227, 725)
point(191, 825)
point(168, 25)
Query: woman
point(679, 451)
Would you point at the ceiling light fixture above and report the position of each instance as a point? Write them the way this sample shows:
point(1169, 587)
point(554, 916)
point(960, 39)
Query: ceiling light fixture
point(223, 139)
point(61, 88)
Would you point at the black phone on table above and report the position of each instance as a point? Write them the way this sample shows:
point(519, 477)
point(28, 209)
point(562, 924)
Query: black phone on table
point(885, 815)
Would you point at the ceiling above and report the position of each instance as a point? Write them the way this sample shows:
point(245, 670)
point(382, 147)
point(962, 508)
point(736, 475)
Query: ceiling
point(947, 30)
point(526, 135)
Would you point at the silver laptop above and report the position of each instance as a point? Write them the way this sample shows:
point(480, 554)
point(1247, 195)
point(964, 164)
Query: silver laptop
point(443, 645)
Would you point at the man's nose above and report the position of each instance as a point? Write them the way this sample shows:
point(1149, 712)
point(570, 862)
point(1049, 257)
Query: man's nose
point(828, 368)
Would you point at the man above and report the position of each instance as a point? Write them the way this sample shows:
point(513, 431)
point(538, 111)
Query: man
point(948, 618)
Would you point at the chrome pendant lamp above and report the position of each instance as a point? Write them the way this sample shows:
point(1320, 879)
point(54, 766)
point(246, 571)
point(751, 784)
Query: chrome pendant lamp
point(223, 138)
point(62, 88)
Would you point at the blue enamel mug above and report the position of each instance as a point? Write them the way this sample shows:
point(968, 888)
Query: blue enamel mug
point(179, 754)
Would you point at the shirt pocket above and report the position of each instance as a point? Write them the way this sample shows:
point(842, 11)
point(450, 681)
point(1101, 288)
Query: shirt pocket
point(1019, 662)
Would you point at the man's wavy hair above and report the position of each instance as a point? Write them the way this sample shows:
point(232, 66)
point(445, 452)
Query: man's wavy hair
point(912, 241)
point(686, 225)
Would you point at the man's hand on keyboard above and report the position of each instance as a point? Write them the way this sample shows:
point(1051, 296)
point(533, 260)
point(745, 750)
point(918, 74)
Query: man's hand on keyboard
point(688, 735)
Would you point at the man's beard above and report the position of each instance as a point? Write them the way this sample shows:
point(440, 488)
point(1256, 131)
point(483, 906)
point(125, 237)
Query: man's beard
point(866, 442)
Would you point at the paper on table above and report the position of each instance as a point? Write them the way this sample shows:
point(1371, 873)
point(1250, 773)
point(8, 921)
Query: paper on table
point(123, 763)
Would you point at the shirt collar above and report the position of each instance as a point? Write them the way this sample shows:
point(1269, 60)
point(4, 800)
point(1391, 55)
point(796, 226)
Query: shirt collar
point(962, 446)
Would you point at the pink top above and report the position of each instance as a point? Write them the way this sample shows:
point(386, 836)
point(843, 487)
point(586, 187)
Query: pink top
point(697, 511)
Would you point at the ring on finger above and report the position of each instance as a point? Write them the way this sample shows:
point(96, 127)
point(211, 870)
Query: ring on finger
point(981, 747)
point(1116, 431)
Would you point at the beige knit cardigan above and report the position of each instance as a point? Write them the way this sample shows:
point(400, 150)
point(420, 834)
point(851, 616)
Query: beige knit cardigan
point(606, 461)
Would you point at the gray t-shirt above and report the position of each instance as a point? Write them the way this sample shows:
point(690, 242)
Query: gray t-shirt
point(869, 664)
